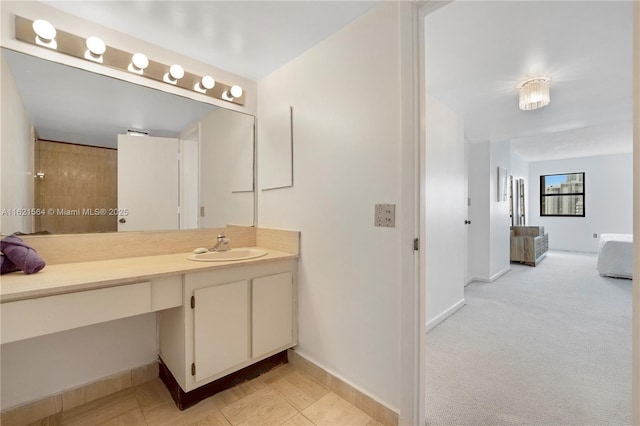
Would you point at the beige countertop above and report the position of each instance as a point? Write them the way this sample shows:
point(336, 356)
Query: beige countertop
point(73, 277)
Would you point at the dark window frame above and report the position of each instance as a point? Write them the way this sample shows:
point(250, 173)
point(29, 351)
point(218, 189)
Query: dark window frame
point(583, 194)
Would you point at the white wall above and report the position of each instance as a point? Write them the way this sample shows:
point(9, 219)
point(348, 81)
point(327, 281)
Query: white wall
point(478, 175)
point(489, 230)
point(499, 221)
point(608, 201)
point(444, 188)
point(226, 169)
point(348, 153)
point(41, 366)
point(16, 156)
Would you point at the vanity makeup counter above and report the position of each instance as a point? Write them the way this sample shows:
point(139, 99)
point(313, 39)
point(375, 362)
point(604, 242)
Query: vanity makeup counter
point(215, 318)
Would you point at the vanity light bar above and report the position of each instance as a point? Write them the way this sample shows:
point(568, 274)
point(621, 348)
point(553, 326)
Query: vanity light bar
point(174, 75)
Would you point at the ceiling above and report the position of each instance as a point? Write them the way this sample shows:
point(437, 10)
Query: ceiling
point(248, 38)
point(477, 52)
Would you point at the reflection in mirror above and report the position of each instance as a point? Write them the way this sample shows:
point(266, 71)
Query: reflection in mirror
point(194, 168)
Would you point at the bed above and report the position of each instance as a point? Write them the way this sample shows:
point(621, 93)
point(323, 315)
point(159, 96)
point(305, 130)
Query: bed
point(615, 255)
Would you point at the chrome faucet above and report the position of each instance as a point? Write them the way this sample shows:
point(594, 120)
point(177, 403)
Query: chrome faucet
point(222, 244)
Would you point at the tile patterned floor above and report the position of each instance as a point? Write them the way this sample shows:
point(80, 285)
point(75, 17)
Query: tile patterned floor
point(283, 396)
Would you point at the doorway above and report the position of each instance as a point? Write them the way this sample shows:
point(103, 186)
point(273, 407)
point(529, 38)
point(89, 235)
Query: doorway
point(72, 183)
point(427, 9)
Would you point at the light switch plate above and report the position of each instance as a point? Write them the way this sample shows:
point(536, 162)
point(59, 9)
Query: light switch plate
point(385, 215)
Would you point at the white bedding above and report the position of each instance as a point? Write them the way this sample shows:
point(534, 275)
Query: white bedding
point(615, 255)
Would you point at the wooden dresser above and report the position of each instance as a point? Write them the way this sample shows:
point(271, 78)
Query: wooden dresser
point(529, 244)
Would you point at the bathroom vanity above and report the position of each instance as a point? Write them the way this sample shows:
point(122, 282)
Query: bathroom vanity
point(229, 320)
point(215, 319)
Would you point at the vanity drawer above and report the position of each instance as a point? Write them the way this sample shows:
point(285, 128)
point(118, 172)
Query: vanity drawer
point(35, 317)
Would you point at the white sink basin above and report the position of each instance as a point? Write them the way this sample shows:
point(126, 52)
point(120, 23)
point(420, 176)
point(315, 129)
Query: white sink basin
point(229, 255)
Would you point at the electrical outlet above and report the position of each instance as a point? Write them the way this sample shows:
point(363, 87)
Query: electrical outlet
point(385, 215)
point(595, 235)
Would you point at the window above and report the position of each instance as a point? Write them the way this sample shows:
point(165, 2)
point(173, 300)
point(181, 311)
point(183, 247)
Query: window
point(562, 195)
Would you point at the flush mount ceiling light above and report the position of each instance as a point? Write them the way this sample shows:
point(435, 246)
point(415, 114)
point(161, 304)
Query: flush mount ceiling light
point(95, 49)
point(139, 62)
point(534, 93)
point(45, 33)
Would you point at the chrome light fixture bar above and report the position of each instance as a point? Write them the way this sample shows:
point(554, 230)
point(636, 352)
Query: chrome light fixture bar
point(94, 50)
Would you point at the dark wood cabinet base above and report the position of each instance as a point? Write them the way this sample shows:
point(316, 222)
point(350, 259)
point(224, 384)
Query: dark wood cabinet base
point(185, 400)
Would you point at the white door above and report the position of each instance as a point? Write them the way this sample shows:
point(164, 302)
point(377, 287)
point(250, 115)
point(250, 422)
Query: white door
point(189, 186)
point(147, 183)
point(444, 212)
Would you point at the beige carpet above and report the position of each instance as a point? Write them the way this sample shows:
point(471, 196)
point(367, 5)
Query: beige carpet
point(549, 345)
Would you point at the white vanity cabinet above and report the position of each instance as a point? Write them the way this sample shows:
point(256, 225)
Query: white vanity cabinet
point(230, 318)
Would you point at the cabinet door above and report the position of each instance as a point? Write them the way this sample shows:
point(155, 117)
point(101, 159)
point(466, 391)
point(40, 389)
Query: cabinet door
point(221, 327)
point(272, 309)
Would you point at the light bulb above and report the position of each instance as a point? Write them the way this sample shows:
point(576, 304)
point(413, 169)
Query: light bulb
point(139, 62)
point(236, 91)
point(96, 46)
point(207, 82)
point(44, 30)
point(45, 33)
point(176, 72)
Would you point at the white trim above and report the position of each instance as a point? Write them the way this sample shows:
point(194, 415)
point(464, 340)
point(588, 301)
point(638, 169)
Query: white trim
point(312, 360)
point(488, 279)
point(499, 274)
point(412, 297)
point(443, 316)
point(635, 360)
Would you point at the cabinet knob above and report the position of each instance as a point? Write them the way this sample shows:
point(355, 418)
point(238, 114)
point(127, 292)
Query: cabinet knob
point(122, 220)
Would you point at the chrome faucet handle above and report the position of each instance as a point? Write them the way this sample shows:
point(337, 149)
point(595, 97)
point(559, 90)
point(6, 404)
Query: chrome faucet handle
point(222, 244)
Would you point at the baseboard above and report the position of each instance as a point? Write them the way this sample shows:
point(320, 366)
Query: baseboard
point(34, 411)
point(488, 279)
point(499, 274)
point(377, 410)
point(444, 315)
point(471, 279)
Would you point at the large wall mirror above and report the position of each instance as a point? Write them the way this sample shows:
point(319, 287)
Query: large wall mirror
point(193, 166)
